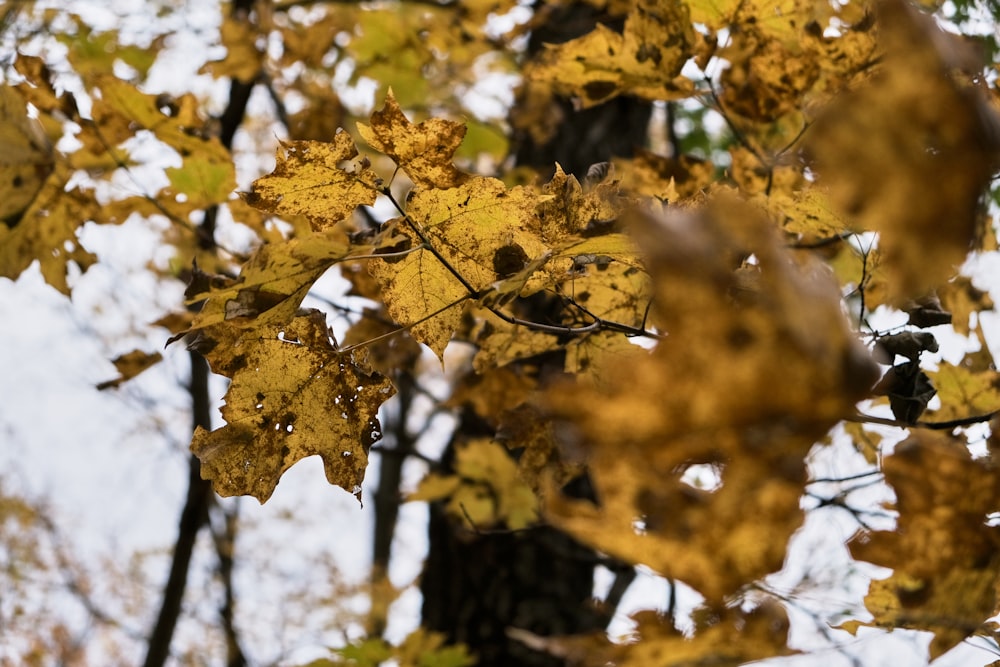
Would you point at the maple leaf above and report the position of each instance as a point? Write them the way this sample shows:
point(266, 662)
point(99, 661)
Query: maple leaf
point(273, 282)
point(943, 553)
point(293, 395)
point(744, 380)
point(46, 231)
point(424, 151)
point(733, 637)
point(27, 158)
point(129, 365)
point(243, 60)
point(909, 154)
point(486, 488)
point(319, 180)
point(469, 227)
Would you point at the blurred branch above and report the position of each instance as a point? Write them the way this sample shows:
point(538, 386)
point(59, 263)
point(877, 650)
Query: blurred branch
point(224, 539)
point(387, 497)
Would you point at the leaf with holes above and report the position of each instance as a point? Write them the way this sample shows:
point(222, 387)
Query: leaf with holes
point(292, 395)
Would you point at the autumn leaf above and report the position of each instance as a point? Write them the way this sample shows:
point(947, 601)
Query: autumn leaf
point(274, 281)
point(424, 151)
point(129, 365)
point(964, 392)
point(471, 229)
point(909, 154)
point(292, 395)
point(26, 156)
point(734, 637)
point(943, 552)
point(46, 231)
point(322, 181)
point(486, 488)
point(744, 380)
point(243, 60)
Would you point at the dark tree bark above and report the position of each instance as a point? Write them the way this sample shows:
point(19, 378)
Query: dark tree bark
point(476, 586)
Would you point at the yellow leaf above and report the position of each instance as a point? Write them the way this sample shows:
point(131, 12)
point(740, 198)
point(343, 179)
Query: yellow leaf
point(961, 298)
point(292, 395)
point(486, 488)
point(424, 151)
point(25, 156)
point(273, 282)
point(202, 180)
point(964, 392)
point(475, 228)
point(744, 381)
point(943, 552)
point(243, 59)
point(865, 441)
point(435, 487)
point(321, 181)
point(47, 232)
point(909, 154)
point(645, 59)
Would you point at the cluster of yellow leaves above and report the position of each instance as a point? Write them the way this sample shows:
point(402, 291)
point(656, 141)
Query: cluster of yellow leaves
point(44, 208)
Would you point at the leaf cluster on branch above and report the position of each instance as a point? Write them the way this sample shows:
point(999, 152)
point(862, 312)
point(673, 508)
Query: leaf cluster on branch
point(699, 308)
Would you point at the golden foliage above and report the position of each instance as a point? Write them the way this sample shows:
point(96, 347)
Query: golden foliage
point(858, 140)
point(943, 552)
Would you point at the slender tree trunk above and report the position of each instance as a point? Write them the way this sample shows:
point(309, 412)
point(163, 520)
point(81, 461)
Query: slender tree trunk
point(194, 515)
point(477, 586)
